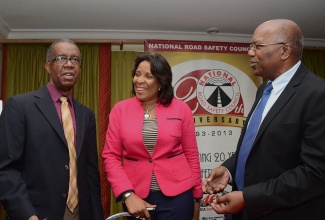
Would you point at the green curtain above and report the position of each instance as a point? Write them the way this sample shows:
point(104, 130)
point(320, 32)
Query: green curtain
point(86, 90)
point(121, 78)
point(315, 61)
point(25, 68)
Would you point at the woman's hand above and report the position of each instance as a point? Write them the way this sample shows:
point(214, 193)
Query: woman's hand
point(137, 207)
point(196, 215)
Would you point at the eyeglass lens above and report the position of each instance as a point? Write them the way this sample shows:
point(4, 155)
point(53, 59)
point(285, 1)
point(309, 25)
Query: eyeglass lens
point(64, 60)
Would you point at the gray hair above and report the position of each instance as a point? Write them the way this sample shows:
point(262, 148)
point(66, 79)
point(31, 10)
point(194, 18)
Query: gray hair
point(51, 48)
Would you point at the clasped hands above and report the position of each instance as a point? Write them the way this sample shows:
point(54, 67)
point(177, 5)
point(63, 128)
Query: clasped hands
point(217, 181)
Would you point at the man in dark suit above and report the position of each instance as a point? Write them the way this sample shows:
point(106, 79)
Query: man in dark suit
point(284, 174)
point(34, 154)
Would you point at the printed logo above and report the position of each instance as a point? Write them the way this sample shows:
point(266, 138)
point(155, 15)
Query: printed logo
point(218, 94)
point(218, 91)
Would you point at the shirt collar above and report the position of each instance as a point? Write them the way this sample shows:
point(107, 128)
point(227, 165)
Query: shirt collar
point(282, 81)
point(55, 94)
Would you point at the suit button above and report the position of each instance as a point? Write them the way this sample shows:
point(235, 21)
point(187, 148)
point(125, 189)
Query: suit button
point(150, 160)
point(66, 167)
point(64, 195)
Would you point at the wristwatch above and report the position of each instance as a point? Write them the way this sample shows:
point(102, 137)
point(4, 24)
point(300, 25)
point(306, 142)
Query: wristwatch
point(126, 195)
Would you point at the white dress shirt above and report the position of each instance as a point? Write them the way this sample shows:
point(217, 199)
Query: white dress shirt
point(278, 86)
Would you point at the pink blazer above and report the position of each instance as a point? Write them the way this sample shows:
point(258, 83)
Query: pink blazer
point(175, 160)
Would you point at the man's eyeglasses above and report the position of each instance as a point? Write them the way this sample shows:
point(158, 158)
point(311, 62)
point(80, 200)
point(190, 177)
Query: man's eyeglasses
point(63, 60)
point(258, 46)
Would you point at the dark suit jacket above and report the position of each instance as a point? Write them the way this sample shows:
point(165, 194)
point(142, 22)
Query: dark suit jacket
point(34, 159)
point(285, 171)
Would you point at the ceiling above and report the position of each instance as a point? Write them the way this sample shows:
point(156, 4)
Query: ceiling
point(156, 19)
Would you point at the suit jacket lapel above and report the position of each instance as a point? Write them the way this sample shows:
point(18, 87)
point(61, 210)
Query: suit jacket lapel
point(285, 96)
point(46, 106)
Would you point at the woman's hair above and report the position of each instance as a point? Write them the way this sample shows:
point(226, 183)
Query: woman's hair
point(162, 71)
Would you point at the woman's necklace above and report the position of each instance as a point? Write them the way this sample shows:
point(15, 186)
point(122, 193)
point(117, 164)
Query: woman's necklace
point(147, 114)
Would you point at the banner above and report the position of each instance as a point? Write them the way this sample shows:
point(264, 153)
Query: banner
point(217, 83)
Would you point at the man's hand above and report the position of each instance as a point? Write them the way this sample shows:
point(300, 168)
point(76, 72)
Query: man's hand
point(216, 181)
point(231, 203)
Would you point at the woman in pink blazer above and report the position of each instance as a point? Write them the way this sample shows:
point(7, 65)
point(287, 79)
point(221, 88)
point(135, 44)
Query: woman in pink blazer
point(151, 155)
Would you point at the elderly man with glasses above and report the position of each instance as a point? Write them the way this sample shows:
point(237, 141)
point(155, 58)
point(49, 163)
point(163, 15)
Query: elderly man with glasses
point(48, 151)
point(278, 169)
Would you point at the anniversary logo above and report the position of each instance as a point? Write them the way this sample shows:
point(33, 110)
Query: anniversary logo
point(219, 94)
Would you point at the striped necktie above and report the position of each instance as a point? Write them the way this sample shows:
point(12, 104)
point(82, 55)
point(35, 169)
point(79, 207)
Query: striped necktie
point(249, 137)
point(72, 200)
